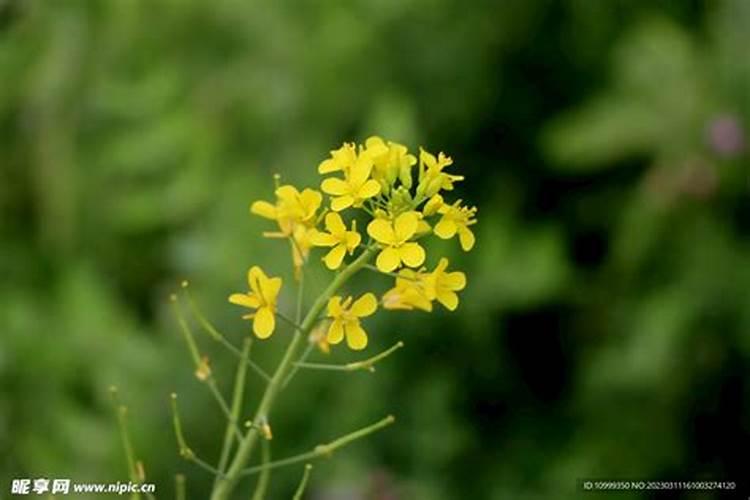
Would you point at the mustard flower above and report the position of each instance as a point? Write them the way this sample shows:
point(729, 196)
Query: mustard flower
point(341, 159)
point(337, 237)
point(291, 208)
point(394, 237)
point(457, 219)
point(261, 297)
point(409, 292)
point(391, 161)
point(345, 319)
point(442, 285)
point(355, 187)
point(432, 179)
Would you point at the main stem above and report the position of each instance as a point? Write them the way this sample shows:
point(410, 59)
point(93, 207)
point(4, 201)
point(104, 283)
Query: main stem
point(224, 486)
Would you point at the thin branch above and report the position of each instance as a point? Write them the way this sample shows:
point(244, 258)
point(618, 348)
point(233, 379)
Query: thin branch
point(296, 366)
point(366, 364)
point(265, 475)
point(303, 483)
point(127, 445)
point(179, 487)
point(184, 449)
point(322, 450)
point(203, 372)
point(290, 321)
point(239, 391)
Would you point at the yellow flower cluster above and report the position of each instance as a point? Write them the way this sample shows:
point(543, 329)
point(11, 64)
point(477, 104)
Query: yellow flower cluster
point(398, 198)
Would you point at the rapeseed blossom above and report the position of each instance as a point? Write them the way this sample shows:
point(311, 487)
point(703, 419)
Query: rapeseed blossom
point(261, 297)
point(401, 200)
point(338, 237)
point(345, 316)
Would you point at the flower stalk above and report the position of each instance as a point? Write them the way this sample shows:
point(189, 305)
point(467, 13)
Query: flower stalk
point(226, 485)
point(322, 450)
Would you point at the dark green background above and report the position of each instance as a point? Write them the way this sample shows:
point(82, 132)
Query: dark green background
point(605, 328)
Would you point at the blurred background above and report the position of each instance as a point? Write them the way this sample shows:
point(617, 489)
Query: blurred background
point(605, 331)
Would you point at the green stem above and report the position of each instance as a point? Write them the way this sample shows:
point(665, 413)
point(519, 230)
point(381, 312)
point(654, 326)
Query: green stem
point(322, 450)
point(226, 485)
point(303, 483)
point(187, 334)
point(184, 449)
point(292, 323)
point(127, 444)
point(265, 476)
point(239, 390)
point(366, 364)
point(179, 487)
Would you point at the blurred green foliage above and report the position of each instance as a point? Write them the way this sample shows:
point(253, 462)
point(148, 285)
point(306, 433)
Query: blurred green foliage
point(604, 331)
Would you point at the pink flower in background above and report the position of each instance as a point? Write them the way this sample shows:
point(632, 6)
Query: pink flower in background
point(725, 135)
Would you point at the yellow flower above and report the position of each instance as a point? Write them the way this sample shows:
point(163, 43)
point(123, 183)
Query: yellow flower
point(337, 237)
point(261, 297)
point(409, 292)
point(391, 160)
point(431, 176)
point(294, 212)
point(433, 205)
point(394, 236)
point(443, 286)
point(346, 317)
point(291, 208)
point(457, 219)
point(355, 187)
point(341, 159)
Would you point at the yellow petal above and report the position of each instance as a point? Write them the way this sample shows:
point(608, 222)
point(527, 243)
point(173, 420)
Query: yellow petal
point(405, 226)
point(365, 305)
point(335, 332)
point(264, 209)
point(466, 237)
point(253, 278)
point(376, 146)
point(382, 231)
point(264, 323)
point(423, 228)
point(335, 257)
point(442, 266)
point(311, 200)
point(432, 206)
point(445, 229)
point(428, 159)
point(353, 240)
point(334, 306)
point(335, 225)
point(369, 189)
point(454, 281)
point(329, 165)
point(342, 202)
point(288, 193)
point(360, 171)
point(448, 299)
point(388, 260)
point(244, 299)
point(356, 337)
point(270, 288)
point(321, 239)
point(412, 254)
point(335, 186)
